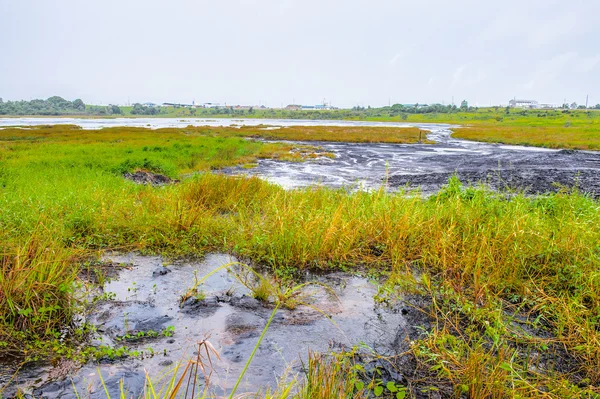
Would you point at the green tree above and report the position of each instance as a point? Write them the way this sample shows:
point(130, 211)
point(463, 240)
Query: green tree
point(464, 105)
point(79, 105)
point(115, 109)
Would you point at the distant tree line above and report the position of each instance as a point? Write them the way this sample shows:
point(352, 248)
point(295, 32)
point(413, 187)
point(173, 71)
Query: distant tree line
point(104, 110)
point(59, 106)
point(357, 112)
point(139, 109)
point(53, 106)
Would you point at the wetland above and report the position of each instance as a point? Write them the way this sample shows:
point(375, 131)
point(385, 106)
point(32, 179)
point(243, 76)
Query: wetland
point(413, 260)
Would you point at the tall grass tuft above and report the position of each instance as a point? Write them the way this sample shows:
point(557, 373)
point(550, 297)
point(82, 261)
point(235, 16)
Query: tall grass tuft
point(36, 282)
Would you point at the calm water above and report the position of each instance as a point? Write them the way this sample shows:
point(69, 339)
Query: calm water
point(156, 123)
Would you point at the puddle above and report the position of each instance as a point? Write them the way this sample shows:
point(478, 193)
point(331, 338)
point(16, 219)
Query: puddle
point(146, 297)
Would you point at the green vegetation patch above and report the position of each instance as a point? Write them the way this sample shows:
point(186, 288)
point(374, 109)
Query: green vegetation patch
point(582, 136)
point(485, 260)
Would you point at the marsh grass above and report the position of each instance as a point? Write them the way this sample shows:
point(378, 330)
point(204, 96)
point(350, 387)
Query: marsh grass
point(480, 255)
point(324, 376)
point(355, 134)
point(35, 297)
point(581, 137)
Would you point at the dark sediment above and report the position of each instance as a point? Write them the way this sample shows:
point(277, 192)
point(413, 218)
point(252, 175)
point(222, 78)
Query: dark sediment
point(528, 181)
point(533, 170)
point(144, 177)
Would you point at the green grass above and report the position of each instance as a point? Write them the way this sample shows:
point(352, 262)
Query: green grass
point(482, 258)
point(556, 128)
point(581, 137)
point(578, 129)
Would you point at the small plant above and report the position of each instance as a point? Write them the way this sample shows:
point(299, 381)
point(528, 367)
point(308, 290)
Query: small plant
point(262, 290)
point(105, 296)
point(142, 335)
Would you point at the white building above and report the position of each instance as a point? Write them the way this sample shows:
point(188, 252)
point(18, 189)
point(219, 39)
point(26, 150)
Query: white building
point(523, 104)
point(549, 106)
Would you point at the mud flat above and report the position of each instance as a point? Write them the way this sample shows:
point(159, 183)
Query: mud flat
point(429, 166)
point(145, 299)
point(424, 166)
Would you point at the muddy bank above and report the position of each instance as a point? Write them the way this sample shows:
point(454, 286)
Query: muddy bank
point(428, 166)
point(142, 310)
point(527, 181)
point(145, 177)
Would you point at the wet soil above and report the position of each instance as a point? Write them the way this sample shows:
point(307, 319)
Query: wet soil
point(527, 181)
point(145, 177)
point(146, 297)
point(429, 166)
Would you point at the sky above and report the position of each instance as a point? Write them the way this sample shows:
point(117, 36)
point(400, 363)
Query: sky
point(278, 52)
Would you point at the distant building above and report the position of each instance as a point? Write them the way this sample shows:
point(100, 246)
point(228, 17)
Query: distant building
point(523, 104)
point(177, 105)
point(151, 105)
point(319, 107)
point(549, 106)
point(293, 107)
point(416, 105)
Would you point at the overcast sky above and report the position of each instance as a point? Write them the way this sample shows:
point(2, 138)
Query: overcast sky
point(276, 51)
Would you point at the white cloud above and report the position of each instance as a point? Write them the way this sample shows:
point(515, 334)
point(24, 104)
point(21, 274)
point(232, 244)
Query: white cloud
point(550, 70)
point(467, 76)
point(537, 27)
point(395, 59)
point(559, 26)
point(277, 50)
point(401, 54)
point(586, 64)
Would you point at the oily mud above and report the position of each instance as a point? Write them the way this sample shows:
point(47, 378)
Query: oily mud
point(143, 311)
point(145, 177)
point(526, 181)
point(429, 166)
